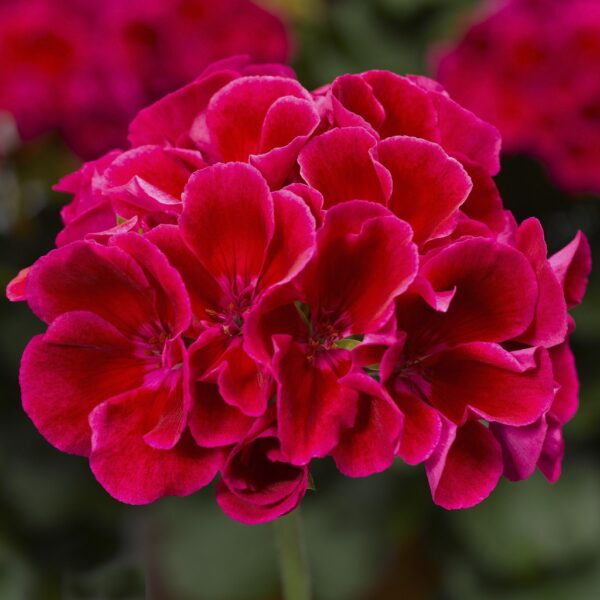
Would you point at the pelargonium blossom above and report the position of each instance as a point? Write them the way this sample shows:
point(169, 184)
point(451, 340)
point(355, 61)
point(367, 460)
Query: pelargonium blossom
point(270, 276)
point(84, 69)
point(530, 68)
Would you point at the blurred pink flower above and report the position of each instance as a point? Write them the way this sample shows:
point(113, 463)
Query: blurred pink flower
point(84, 69)
point(530, 67)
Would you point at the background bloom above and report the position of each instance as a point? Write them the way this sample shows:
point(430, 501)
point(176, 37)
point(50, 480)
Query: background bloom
point(529, 67)
point(84, 69)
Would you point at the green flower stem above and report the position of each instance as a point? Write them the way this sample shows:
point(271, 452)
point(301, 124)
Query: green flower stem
point(293, 565)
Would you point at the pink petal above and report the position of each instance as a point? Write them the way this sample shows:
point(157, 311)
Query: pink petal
point(169, 121)
point(293, 241)
point(359, 267)
point(257, 486)
point(228, 222)
point(521, 447)
point(493, 383)
point(339, 164)
point(354, 104)
point(464, 134)
point(313, 407)
point(495, 294)
point(237, 114)
point(80, 362)
point(134, 472)
point(428, 185)
point(465, 467)
point(91, 277)
point(16, 289)
point(408, 109)
point(572, 267)
point(422, 428)
point(370, 445)
point(214, 423)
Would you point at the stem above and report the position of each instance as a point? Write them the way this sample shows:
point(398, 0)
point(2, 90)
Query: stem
point(293, 565)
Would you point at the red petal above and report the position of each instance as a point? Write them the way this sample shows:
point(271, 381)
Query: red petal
point(572, 266)
point(171, 301)
point(465, 467)
point(339, 164)
point(79, 363)
point(241, 382)
point(493, 383)
point(354, 103)
point(92, 277)
point(521, 447)
point(132, 471)
point(428, 185)
point(422, 428)
point(16, 289)
point(566, 400)
point(228, 222)
point(169, 121)
point(213, 422)
point(313, 407)
point(237, 114)
point(495, 294)
point(204, 292)
point(359, 267)
point(549, 325)
point(293, 241)
point(370, 445)
point(408, 109)
point(464, 134)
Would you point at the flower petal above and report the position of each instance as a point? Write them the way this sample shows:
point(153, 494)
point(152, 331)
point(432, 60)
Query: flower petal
point(228, 222)
point(132, 471)
point(370, 445)
point(340, 165)
point(495, 384)
point(428, 185)
point(80, 362)
point(313, 407)
point(359, 267)
point(465, 467)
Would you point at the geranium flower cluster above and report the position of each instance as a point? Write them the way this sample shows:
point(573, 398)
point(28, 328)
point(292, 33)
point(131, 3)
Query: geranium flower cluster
point(84, 69)
point(531, 68)
point(270, 276)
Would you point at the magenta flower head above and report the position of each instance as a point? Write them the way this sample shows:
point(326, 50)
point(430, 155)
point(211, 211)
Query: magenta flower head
point(84, 69)
point(269, 276)
point(530, 68)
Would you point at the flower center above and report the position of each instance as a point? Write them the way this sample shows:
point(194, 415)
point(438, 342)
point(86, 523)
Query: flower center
point(231, 315)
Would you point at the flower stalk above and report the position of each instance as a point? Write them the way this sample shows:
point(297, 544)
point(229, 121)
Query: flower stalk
point(293, 564)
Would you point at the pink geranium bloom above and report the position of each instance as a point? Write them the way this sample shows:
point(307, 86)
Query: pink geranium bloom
point(364, 258)
point(236, 241)
point(84, 69)
point(269, 276)
point(109, 378)
point(530, 68)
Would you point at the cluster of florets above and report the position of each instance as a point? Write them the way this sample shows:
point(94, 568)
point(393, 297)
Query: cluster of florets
point(530, 67)
point(270, 276)
point(84, 69)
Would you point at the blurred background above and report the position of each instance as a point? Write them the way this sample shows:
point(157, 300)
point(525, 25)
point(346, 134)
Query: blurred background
point(63, 537)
